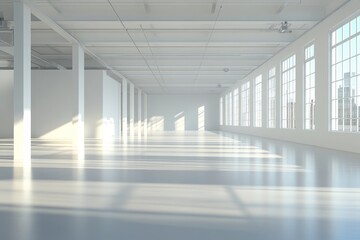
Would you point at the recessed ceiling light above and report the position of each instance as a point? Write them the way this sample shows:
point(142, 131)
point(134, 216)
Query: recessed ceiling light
point(226, 69)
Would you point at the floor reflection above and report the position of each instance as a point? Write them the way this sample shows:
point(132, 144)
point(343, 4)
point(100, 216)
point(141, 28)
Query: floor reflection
point(179, 186)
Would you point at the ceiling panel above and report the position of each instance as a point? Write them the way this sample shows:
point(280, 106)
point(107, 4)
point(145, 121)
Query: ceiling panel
point(170, 46)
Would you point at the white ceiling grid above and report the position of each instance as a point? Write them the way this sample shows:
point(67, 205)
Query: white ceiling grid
point(171, 46)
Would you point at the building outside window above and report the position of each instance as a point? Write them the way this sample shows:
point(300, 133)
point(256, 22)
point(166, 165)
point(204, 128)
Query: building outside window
point(288, 92)
point(221, 111)
point(258, 101)
point(236, 107)
point(272, 98)
point(309, 88)
point(245, 104)
point(227, 109)
point(345, 78)
point(230, 109)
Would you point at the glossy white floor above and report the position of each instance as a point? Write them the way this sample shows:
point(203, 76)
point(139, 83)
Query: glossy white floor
point(180, 186)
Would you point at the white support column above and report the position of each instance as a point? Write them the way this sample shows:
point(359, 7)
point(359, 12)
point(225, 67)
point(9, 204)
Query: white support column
point(78, 91)
point(132, 109)
point(120, 113)
point(139, 113)
point(299, 113)
point(251, 103)
point(22, 82)
point(265, 99)
point(322, 110)
point(124, 108)
point(278, 83)
point(145, 115)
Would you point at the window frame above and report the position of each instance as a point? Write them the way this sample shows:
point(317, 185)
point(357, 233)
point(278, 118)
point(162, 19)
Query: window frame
point(245, 104)
point(236, 107)
point(271, 77)
point(258, 91)
point(289, 67)
point(334, 65)
point(306, 88)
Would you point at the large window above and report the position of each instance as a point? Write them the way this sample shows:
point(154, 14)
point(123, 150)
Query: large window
point(245, 104)
point(227, 109)
point(288, 92)
point(221, 111)
point(272, 98)
point(258, 101)
point(230, 109)
point(236, 107)
point(345, 79)
point(309, 88)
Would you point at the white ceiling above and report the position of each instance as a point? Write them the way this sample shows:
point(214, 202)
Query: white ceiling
point(171, 46)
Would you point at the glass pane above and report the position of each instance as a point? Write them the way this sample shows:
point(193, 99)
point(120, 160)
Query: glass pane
point(339, 53)
point(339, 72)
point(339, 35)
point(353, 47)
point(346, 50)
point(346, 67)
point(353, 27)
point(353, 66)
point(333, 56)
point(346, 31)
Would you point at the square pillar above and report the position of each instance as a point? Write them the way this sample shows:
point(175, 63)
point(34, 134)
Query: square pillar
point(139, 113)
point(120, 113)
point(78, 87)
point(145, 116)
point(22, 82)
point(132, 109)
point(124, 108)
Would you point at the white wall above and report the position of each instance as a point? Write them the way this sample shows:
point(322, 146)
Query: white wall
point(111, 107)
point(93, 103)
point(321, 136)
point(162, 110)
point(52, 110)
point(51, 104)
point(6, 104)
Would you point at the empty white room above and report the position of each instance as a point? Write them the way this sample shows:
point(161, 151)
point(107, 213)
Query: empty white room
point(180, 119)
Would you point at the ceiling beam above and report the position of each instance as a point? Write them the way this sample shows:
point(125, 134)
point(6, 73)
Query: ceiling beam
point(50, 63)
point(175, 55)
point(8, 50)
point(192, 85)
point(65, 34)
point(190, 44)
point(168, 25)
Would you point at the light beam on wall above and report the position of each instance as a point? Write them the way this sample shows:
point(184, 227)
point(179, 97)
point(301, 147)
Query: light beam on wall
point(201, 118)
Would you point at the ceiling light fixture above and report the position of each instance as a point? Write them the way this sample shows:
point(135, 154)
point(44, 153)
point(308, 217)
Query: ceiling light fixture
point(284, 28)
point(3, 24)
